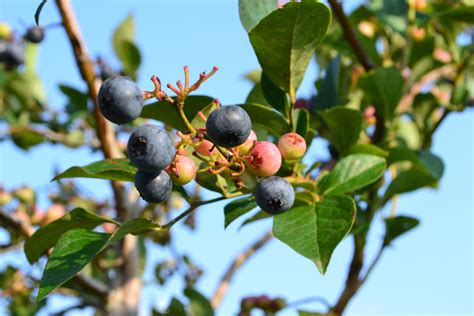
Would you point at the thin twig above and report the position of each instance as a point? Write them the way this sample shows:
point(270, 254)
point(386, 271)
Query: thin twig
point(238, 261)
point(372, 265)
point(350, 36)
point(190, 209)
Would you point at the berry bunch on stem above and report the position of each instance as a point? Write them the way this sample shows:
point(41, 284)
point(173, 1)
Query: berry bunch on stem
point(226, 146)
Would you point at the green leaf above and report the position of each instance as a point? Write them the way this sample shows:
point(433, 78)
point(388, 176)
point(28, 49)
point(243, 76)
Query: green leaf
point(367, 149)
point(315, 230)
point(343, 125)
point(47, 236)
point(119, 169)
point(328, 95)
point(351, 173)
point(74, 249)
point(383, 87)
point(198, 304)
point(256, 96)
point(267, 119)
point(458, 14)
point(397, 226)
point(77, 100)
point(421, 160)
point(25, 138)
point(256, 217)
point(407, 181)
point(285, 41)
point(302, 122)
point(275, 96)
point(252, 11)
point(165, 112)
point(237, 208)
point(176, 308)
point(125, 48)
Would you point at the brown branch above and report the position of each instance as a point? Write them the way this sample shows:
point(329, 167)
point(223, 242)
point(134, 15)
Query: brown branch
point(124, 298)
point(239, 260)
point(350, 36)
point(105, 131)
point(352, 281)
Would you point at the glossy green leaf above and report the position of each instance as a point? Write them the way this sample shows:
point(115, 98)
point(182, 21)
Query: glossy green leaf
point(407, 181)
point(237, 208)
point(302, 118)
point(119, 169)
point(267, 119)
point(367, 149)
point(124, 46)
point(165, 112)
point(343, 126)
point(383, 87)
point(198, 304)
point(421, 160)
point(397, 226)
point(328, 95)
point(256, 217)
point(275, 96)
point(47, 236)
point(285, 41)
point(252, 11)
point(315, 230)
point(77, 100)
point(256, 96)
point(351, 173)
point(74, 249)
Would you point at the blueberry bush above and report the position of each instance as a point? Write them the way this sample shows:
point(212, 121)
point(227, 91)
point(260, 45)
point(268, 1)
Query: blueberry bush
point(390, 72)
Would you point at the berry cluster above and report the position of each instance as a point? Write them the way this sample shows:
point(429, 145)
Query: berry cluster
point(227, 145)
point(12, 51)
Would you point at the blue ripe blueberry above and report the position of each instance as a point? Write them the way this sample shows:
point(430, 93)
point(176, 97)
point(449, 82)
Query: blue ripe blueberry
point(229, 126)
point(274, 195)
point(120, 100)
point(153, 187)
point(34, 34)
point(150, 148)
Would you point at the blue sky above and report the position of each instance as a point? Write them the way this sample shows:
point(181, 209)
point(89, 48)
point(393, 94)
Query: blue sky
point(428, 271)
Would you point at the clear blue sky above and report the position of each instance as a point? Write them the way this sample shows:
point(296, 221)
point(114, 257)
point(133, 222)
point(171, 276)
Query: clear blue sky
point(428, 271)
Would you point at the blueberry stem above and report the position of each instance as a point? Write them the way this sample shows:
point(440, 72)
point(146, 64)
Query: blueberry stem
point(195, 206)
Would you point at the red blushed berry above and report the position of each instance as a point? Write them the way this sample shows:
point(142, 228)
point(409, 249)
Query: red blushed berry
point(245, 148)
point(204, 148)
point(301, 104)
point(182, 170)
point(265, 159)
point(292, 146)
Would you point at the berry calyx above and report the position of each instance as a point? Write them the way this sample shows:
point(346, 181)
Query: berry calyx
point(274, 195)
point(120, 100)
point(292, 146)
point(265, 159)
point(153, 187)
point(228, 126)
point(150, 148)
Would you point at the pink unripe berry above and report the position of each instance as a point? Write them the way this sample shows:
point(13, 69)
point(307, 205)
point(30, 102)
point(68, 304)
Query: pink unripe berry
point(182, 170)
point(204, 148)
point(245, 148)
point(265, 159)
point(292, 146)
